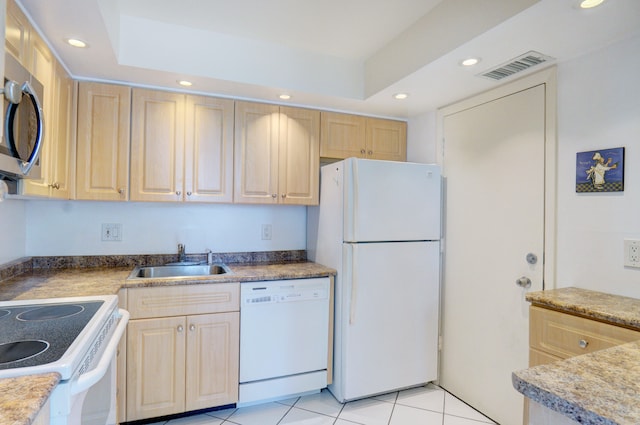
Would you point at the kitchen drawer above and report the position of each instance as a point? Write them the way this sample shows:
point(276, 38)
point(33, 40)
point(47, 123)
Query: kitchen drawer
point(182, 300)
point(564, 335)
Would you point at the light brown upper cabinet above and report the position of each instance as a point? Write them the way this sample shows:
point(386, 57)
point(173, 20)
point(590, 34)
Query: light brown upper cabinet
point(208, 175)
point(345, 135)
point(102, 166)
point(17, 34)
point(181, 147)
point(276, 154)
point(56, 155)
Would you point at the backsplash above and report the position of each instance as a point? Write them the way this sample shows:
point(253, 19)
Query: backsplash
point(26, 264)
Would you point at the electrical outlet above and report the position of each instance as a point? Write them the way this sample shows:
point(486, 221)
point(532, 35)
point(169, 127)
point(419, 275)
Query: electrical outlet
point(111, 231)
point(632, 253)
point(266, 232)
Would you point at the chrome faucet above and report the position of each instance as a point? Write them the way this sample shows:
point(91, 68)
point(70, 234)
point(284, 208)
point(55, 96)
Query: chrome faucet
point(209, 257)
point(181, 255)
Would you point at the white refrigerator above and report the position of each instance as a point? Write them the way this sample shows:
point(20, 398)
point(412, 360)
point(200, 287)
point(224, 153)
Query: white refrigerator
point(378, 225)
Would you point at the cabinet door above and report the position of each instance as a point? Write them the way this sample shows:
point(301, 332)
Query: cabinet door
point(62, 177)
point(102, 171)
point(212, 364)
point(299, 150)
point(209, 150)
point(155, 367)
point(342, 135)
point(386, 139)
point(41, 66)
point(256, 153)
point(157, 146)
point(17, 33)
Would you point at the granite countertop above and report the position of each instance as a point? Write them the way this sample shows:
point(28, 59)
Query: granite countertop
point(615, 309)
point(22, 398)
point(57, 283)
point(596, 388)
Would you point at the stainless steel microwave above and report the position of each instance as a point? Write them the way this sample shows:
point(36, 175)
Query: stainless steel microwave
point(23, 122)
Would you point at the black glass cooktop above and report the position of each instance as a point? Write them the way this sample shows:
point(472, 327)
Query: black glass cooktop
point(33, 335)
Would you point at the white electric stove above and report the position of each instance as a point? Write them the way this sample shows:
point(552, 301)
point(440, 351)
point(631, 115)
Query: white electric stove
point(75, 337)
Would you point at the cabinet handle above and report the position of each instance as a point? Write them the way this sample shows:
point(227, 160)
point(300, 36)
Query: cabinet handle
point(178, 193)
point(180, 328)
point(370, 153)
point(583, 343)
point(55, 185)
point(362, 151)
point(274, 195)
point(188, 193)
point(284, 195)
point(121, 191)
point(192, 327)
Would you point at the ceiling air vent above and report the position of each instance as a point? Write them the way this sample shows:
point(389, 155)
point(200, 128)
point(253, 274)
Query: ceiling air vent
point(514, 66)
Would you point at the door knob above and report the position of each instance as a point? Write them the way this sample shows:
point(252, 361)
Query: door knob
point(524, 282)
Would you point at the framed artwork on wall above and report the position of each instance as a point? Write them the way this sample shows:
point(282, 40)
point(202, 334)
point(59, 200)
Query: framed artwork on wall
point(600, 170)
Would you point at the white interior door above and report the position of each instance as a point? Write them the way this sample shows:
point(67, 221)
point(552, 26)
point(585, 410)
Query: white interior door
point(494, 169)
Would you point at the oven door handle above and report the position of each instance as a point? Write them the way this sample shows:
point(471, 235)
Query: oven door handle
point(88, 379)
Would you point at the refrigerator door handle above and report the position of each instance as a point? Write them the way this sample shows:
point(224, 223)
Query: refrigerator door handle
point(354, 284)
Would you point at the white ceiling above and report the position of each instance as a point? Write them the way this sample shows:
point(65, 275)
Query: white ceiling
point(349, 55)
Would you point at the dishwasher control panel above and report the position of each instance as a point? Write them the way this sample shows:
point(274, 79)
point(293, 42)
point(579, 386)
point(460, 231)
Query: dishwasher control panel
point(265, 294)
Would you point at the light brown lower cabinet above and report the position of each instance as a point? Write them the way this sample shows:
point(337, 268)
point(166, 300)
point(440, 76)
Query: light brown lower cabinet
point(182, 362)
point(554, 336)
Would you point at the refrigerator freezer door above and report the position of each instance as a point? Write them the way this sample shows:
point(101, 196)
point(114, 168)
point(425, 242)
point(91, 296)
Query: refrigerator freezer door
point(391, 201)
point(388, 332)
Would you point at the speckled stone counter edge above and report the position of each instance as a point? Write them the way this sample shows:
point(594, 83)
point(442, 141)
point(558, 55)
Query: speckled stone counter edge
point(614, 309)
point(556, 403)
point(26, 264)
point(24, 396)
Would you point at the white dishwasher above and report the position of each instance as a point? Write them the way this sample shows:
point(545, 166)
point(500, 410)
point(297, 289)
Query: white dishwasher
point(284, 338)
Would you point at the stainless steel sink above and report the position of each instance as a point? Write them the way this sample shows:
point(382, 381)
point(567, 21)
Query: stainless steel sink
point(180, 270)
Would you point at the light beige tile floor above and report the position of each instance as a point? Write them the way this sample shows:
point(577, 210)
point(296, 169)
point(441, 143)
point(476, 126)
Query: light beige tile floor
point(428, 405)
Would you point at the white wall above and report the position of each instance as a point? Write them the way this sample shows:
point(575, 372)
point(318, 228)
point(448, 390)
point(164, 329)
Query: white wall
point(599, 107)
point(421, 138)
point(74, 227)
point(12, 230)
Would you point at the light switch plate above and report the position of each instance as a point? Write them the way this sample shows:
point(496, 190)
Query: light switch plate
point(266, 232)
point(632, 253)
point(111, 231)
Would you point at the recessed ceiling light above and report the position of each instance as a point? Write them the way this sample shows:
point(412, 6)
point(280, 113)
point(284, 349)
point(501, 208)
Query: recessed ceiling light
point(285, 96)
point(401, 96)
point(185, 83)
point(470, 62)
point(588, 4)
point(76, 42)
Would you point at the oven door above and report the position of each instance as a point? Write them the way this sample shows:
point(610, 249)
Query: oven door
point(23, 122)
point(90, 399)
